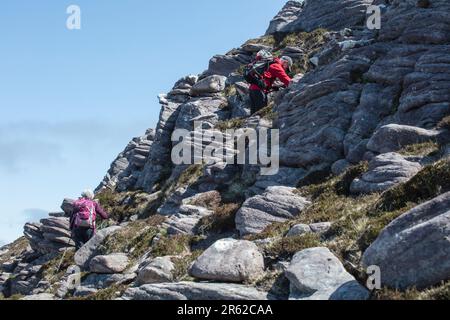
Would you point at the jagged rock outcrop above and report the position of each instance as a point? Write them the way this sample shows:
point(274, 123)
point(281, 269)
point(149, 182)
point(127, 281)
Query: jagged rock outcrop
point(50, 235)
point(385, 171)
point(288, 14)
point(127, 168)
point(277, 204)
point(414, 251)
point(316, 274)
point(229, 260)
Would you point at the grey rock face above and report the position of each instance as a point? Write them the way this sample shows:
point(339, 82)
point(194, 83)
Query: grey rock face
point(322, 14)
point(159, 270)
point(394, 137)
point(113, 263)
point(277, 204)
point(385, 171)
point(287, 15)
point(414, 250)
point(88, 251)
point(194, 291)
point(208, 85)
point(229, 260)
point(316, 274)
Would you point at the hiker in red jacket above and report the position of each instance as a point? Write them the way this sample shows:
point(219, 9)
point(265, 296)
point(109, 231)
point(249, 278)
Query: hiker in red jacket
point(275, 69)
point(84, 216)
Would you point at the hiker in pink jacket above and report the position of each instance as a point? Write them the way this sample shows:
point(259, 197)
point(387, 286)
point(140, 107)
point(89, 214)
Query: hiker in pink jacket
point(84, 216)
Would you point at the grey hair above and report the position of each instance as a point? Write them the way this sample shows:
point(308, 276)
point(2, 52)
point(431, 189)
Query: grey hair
point(88, 194)
point(288, 60)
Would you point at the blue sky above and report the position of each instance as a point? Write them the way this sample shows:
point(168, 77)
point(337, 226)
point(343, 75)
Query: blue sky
point(71, 100)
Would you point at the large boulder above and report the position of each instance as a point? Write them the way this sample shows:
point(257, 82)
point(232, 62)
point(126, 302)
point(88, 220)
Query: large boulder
point(394, 137)
point(84, 255)
point(229, 260)
point(414, 250)
point(110, 264)
point(194, 291)
point(276, 204)
point(316, 274)
point(208, 85)
point(385, 171)
point(159, 270)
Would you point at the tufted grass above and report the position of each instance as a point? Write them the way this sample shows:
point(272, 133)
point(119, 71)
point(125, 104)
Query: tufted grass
point(421, 149)
point(114, 203)
point(430, 182)
point(223, 219)
point(135, 239)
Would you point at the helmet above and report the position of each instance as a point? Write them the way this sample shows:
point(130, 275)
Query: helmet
point(264, 55)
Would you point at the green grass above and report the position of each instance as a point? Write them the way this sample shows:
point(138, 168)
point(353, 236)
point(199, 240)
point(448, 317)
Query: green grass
point(15, 249)
point(114, 203)
point(134, 239)
point(421, 149)
point(430, 182)
point(444, 123)
point(223, 219)
point(286, 247)
point(182, 265)
point(439, 292)
point(236, 123)
point(173, 245)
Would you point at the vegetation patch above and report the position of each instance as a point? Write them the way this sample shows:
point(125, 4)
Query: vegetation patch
point(429, 183)
point(15, 249)
point(421, 149)
point(55, 269)
point(286, 247)
point(236, 123)
point(182, 265)
point(122, 206)
point(440, 292)
point(223, 219)
point(135, 239)
point(444, 123)
point(173, 245)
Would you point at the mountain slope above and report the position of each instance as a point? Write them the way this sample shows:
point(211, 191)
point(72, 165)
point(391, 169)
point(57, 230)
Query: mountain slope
point(364, 176)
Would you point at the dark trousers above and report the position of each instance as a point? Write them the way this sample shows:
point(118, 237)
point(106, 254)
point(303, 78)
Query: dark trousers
point(258, 100)
point(81, 236)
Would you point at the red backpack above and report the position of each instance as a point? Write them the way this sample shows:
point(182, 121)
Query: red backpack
point(85, 214)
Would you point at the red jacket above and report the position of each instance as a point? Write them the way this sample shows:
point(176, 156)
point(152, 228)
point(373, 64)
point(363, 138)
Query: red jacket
point(275, 71)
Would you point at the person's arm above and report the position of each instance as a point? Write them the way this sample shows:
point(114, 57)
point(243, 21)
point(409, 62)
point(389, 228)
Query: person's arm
point(101, 211)
point(279, 73)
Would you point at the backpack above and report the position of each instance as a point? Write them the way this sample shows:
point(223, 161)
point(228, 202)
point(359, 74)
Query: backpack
point(85, 214)
point(254, 72)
